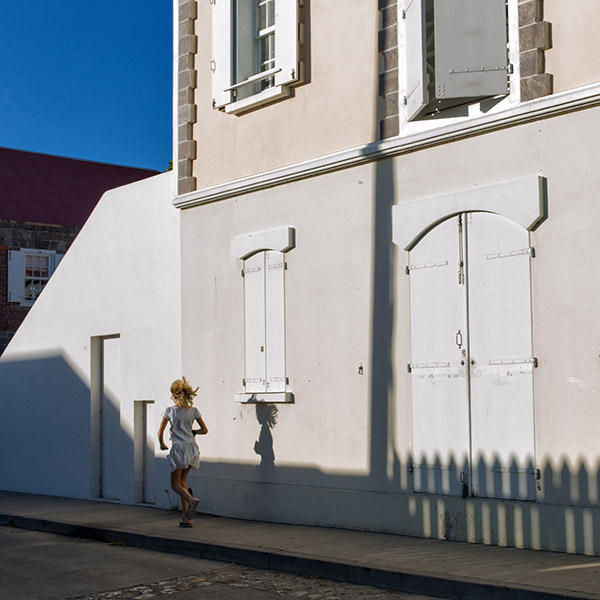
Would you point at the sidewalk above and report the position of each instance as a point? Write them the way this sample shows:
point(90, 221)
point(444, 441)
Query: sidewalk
point(437, 568)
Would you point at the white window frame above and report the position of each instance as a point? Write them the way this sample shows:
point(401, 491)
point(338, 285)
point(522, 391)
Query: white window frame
point(479, 107)
point(234, 35)
point(263, 255)
point(17, 274)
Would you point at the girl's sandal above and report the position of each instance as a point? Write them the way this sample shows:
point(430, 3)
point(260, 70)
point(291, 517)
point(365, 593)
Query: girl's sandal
point(191, 511)
point(185, 524)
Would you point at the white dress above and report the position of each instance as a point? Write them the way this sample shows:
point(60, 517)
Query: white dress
point(184, 451)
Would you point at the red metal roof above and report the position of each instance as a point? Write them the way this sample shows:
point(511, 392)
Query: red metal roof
point(40, 188)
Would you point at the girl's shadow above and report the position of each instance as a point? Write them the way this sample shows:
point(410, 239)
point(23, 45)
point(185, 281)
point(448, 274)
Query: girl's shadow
point(266, 414)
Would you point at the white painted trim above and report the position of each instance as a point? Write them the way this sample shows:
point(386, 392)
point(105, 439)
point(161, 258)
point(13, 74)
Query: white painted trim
point(282, 240)
point(266, 398)
point(266, 96)
point(527, 112)
point(520, 200)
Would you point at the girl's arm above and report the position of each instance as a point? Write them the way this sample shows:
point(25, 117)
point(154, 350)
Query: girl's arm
point(161, 431)
point(203, 428)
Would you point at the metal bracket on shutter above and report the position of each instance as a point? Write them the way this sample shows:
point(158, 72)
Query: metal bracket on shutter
point(253, 270)
point(440, 263)
point(516, 470)
point(480, 69)
point(281, 265)
point(431, 365)
point(529, 251)
point(515, 361)
point(278, 380)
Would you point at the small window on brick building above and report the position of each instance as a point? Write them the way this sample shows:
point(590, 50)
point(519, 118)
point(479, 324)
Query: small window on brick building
point(28, 273)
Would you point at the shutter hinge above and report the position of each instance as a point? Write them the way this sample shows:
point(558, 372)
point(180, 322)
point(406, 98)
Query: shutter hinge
point(405, 100)
point(407, 270)
point(213, 65)
point(243, 382)
point(408, 368)
point(243, 273)
point(403, 14)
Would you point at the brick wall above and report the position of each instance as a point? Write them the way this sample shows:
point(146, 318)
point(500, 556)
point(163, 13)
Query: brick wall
point(534, 40)
point(187, 81)
point(14, 236)
point(388, 76)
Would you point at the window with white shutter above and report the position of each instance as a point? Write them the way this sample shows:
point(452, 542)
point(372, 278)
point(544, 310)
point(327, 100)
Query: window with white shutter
point(264, 267)
point(28, 272)
point(456, 53)
point(255, 46)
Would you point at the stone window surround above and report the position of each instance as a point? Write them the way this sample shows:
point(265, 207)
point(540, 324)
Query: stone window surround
point(186, 105)
point(534, 40)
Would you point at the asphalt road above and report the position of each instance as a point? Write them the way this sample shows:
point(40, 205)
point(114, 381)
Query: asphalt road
point(42, 566)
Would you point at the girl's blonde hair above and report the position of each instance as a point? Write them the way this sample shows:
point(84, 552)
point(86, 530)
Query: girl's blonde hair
point(183, 393)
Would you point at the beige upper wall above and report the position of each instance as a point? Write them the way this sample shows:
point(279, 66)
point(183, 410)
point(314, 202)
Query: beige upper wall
point(336, 109)
point(574, 59)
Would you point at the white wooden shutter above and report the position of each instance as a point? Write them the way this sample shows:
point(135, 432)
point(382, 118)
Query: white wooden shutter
point(286, 41)
point(221, 52)
point(16, 276)
point(254, 304)
point(438, 337)
point(471, 55)
point(275, 321)
point(501, 348)
point(417, 79)
point(244, 51)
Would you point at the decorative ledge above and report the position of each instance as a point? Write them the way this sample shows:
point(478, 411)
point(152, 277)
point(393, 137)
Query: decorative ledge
point(266, 398)
point(521, 200)
point(282, 240)
point(527, 112)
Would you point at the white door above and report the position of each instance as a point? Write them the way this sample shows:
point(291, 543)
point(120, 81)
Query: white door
point(471, 359)
point(438, 335)
point(501, 358)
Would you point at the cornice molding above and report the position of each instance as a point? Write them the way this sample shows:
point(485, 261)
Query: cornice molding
point(535, 110)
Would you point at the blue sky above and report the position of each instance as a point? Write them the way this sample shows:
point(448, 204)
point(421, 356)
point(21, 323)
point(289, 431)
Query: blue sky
point(88, 79)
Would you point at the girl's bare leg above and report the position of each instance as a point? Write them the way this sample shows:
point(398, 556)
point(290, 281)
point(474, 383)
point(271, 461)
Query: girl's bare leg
point(178, 488)
point(184, 474)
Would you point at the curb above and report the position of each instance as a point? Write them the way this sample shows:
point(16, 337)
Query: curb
point(403, 581)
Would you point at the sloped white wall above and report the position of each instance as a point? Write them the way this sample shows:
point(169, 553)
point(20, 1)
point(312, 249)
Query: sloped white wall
point(120, 277)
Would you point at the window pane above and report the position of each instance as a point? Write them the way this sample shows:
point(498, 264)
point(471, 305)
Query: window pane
point(271, 13)
point(262, 16)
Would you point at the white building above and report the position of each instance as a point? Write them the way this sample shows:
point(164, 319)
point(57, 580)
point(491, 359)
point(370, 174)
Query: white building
point(388, 226)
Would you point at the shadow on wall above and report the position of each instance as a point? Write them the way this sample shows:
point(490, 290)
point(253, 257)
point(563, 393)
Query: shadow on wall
point(266, 415)
point(45, 442)
point(562, 515)
point(44, 431)
point(55, 438)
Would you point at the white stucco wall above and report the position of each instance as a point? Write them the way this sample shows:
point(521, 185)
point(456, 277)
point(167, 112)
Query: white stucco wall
point(573, 59)
point(332, 111)
point(120, 277)
point(342, 451)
